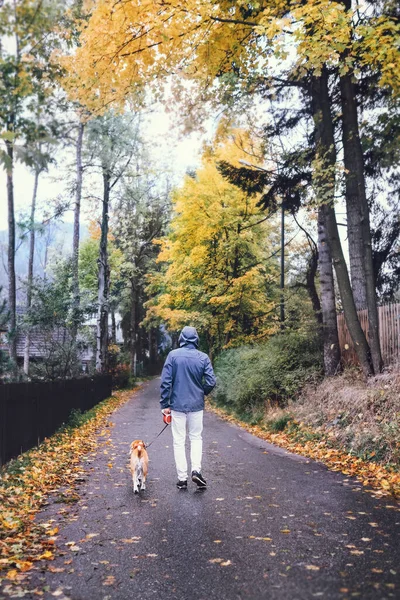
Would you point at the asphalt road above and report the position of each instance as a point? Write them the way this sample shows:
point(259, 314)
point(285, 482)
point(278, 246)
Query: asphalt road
point(271, 525)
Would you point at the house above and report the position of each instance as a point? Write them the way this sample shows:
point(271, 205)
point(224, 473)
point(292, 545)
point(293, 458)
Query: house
point(57, 345)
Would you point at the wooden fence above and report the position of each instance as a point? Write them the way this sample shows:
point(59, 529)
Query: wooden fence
point(389, 333)
point(29, 412)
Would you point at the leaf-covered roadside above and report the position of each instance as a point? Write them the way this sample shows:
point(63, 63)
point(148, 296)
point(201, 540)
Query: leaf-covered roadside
point(27, 482)
point(302, 440)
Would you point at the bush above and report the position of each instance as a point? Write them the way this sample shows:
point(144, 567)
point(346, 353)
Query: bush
point(278, 424)
point(250, 377)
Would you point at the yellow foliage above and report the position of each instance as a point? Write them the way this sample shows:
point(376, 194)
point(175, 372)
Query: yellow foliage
point(126, 45)
point(216, 274)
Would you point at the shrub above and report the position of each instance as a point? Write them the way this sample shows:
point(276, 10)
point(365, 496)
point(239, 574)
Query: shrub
point(278, 424)
point(250, 377)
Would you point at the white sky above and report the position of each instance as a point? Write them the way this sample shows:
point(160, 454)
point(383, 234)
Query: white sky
point(177, 154)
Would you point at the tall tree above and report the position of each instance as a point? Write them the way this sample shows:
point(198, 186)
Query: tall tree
point(140, 217)
point(219, 274)
point(324, 181)
point(111, 144)
point(77, 213)
point(24, 67)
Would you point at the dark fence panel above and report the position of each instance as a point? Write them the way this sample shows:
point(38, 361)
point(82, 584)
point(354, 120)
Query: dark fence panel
point(29, 412)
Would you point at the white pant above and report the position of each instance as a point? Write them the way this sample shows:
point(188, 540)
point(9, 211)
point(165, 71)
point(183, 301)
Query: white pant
point(194, 421)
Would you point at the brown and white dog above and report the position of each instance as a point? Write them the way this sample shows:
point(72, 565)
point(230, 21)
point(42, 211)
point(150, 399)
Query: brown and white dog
point(139, 461)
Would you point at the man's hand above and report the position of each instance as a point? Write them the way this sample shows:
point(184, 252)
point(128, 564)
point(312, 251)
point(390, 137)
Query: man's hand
point(167, 417)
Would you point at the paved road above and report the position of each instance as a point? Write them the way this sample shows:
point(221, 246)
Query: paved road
point(270, 525)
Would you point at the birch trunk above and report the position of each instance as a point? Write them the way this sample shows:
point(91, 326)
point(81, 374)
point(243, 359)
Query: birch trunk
point(133, 350)
point(30, 268)
point(75, 243)
point(12, 293)
point(102, 311)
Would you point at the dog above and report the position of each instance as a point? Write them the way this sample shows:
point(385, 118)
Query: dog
point(139, 461)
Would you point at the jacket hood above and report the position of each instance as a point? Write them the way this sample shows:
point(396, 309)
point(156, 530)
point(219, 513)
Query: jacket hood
point(188, 336)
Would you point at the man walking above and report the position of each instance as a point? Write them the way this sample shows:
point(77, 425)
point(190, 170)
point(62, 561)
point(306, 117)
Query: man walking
point(186, 377)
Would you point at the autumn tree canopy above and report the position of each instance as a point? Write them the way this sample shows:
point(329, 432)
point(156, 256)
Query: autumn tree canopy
point(127, 45)
point(219, 268)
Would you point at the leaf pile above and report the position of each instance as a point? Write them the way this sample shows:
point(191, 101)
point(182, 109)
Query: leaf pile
point(26, 483)
point(300, 440)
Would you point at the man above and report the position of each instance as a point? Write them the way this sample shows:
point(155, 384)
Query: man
point(186, 377)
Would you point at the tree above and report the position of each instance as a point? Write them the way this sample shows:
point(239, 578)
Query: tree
point(77, 213)
point(111, 143)
point(140, 217)
point(324, 181)
point(218, 275)
point(38, 155)
point(289, 182)
point(51, 320)
point(25, 70)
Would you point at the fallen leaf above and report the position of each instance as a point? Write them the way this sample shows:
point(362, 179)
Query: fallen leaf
point(46, 556)
point(216, 560)
point(12, 574)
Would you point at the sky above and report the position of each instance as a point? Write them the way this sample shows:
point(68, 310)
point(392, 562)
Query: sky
point(178, 153)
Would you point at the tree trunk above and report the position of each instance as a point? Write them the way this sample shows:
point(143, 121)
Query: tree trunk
point(102, 311)
point(330, 336)
point(113, 327)
point(75, 244)
point(311, 272)
point(356, 201)
point(132, 349)
point(153, 346)
point(30, 268)
point(324, 181)
point(12, 293)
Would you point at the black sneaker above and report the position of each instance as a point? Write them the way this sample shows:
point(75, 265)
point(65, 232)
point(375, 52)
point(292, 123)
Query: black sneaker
point(182, 485)
point(199, 479)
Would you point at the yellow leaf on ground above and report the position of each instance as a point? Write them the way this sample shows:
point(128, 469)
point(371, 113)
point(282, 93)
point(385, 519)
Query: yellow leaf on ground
point(12, 574)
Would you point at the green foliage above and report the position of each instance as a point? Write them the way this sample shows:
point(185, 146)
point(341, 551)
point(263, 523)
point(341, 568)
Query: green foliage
point(279, 424)
point(251, 377)
point(51, 320)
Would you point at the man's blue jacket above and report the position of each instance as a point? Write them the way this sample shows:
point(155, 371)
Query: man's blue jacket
point(187, 375)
